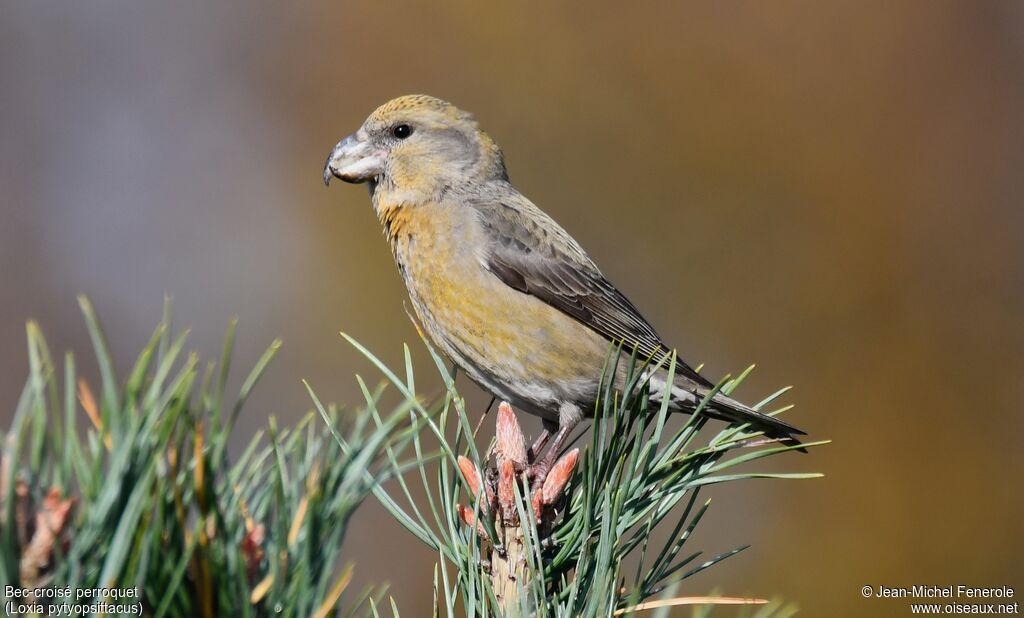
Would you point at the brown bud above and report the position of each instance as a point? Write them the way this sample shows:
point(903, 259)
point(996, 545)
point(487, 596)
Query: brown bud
point(537, 502)
point(559, 476)
point(470, 473)
point(50, 520)
point(511, 444)
point(466, 515)
point(506, 490)
point(252, 550)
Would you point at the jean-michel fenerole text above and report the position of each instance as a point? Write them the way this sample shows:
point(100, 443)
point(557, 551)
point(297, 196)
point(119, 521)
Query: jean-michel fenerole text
point(945, 592)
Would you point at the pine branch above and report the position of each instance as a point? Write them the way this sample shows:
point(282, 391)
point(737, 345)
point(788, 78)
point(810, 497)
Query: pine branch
point(129, 485)
point(515, 551)
point(147, 500)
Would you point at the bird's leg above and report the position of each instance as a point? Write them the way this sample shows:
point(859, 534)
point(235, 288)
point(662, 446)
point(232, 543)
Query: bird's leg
point(569, 415)
point(538, 471)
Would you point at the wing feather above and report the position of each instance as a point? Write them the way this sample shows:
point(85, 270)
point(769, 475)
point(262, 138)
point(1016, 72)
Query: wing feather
point(531, 253)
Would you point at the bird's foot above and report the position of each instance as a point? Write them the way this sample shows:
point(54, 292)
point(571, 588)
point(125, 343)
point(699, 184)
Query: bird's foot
point(537, 472)
point(549, 476)
point(500, 480)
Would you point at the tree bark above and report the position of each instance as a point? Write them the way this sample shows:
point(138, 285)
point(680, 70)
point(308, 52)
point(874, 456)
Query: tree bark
point(508, 570)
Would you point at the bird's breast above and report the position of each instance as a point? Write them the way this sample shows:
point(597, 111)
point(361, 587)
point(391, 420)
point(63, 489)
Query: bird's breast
point(434, 247)
point(512, 343)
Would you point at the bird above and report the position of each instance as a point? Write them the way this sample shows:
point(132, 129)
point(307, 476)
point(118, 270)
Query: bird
point(500, 287)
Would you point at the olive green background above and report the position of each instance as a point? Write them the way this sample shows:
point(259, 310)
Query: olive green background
point(831, 190)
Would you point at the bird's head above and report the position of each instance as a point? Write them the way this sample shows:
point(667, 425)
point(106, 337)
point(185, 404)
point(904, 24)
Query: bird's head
point(416, 142)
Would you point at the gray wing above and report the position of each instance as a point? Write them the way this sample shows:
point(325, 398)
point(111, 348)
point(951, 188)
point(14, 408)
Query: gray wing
point(531, 253)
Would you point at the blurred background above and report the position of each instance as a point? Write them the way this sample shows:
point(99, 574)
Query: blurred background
point(833, 191)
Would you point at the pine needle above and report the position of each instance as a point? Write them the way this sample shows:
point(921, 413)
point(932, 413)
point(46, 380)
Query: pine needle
point(689, 601)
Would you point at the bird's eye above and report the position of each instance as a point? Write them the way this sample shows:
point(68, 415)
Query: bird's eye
point(402, 131)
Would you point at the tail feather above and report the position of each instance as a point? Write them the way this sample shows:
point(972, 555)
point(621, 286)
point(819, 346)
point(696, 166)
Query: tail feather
point(685, 396)
point(732, 410)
